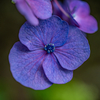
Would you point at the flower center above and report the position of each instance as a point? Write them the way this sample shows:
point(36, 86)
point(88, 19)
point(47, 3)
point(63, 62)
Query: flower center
point(49, 48)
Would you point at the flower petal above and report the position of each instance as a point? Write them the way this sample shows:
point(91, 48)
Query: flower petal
point(87, 24)
point(70, 0)
point(30, 36)
point(72, 21)
point(54, 72)
point(26, 67)
point(56, 10)
point(25, 10)
point(54, 30)
point(80, 8)
point(41, 8)
point(75, 52)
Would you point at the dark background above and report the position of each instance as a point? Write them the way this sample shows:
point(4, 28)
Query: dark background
point(85, 84)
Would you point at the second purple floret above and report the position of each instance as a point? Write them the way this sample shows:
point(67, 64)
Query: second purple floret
point(78, 14)
point(47, 53)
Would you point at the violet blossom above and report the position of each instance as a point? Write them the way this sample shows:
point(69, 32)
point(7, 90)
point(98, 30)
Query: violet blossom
point(34, 9)
point(47, 53)
point(78, 15)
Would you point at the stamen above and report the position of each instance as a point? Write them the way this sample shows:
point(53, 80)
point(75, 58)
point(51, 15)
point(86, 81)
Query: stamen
point(49, 48)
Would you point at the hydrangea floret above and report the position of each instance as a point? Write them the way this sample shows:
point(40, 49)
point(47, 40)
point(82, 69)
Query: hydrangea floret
point(47, 53)
point(78, 11)
point(34, 9)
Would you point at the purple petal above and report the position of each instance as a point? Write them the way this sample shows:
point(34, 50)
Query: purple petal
point(41, 8)
point(25, 10)
point(26, 67)
point(31, 36)
point(72, 21)
point(75, 52)
point(56, 10)
point(65, 6)
point(54, 30)
point(87, 24)
point(54, 72)
point(80, 8)
point(71, 0)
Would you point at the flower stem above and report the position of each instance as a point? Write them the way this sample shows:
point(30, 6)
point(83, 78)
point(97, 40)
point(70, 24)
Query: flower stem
point(59, 6)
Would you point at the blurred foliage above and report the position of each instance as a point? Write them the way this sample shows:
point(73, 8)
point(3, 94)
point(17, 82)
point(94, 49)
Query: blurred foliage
point(74, 90)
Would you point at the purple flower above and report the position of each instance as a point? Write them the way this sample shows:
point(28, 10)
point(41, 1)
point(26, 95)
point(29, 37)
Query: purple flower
point(70, 0)
point(34, 9)
point(47, 53)
point(79, 12)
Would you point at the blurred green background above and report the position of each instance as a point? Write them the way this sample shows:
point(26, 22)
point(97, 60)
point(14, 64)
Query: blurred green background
point(85, 84)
